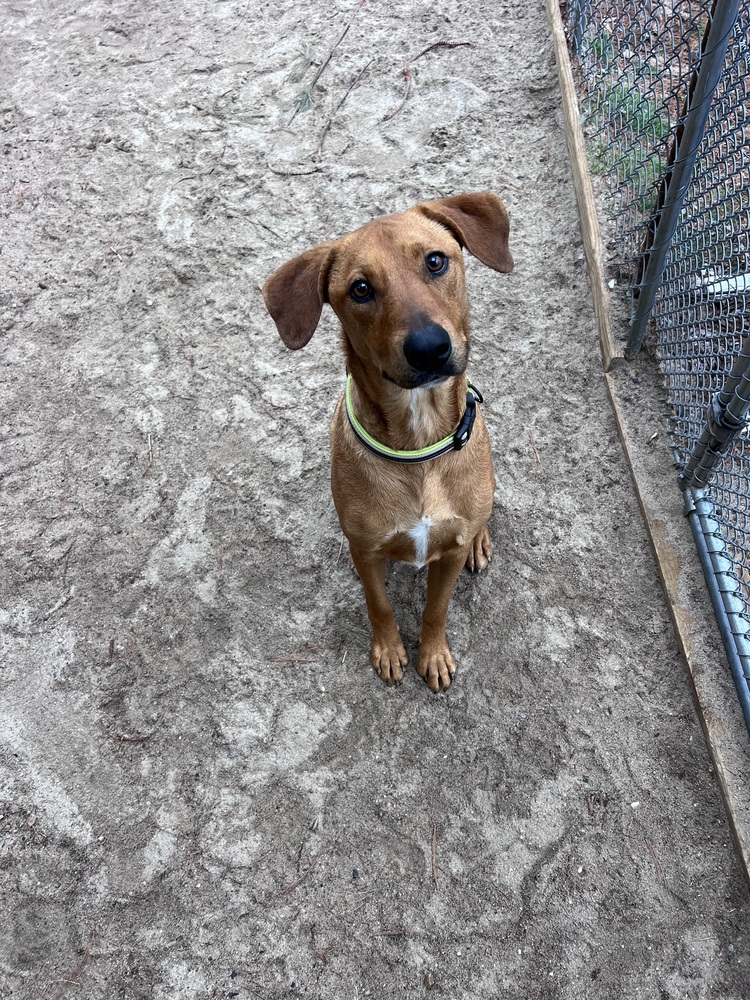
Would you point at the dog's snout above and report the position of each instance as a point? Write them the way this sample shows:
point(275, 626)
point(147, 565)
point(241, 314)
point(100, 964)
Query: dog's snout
point(428, 349)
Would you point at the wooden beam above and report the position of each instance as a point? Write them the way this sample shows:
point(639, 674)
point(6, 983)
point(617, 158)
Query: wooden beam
point(589, 219)
point(653, 473)
point(652, 468)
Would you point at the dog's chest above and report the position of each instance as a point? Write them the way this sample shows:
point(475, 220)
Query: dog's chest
point(422, 530)
point(424, 539)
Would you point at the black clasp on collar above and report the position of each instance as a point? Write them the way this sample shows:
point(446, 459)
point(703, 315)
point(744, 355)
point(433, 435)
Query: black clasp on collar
point(465, 427)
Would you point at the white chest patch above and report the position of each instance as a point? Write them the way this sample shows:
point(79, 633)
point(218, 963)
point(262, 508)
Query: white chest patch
point(421, 535)
point(416, 417)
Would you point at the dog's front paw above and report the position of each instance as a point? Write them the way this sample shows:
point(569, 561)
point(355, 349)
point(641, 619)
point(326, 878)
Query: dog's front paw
point(388, 659)
point(436, 667)
point(480, 551)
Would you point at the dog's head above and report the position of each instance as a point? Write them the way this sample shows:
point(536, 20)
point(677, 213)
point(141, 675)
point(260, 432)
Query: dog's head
point(397, 285)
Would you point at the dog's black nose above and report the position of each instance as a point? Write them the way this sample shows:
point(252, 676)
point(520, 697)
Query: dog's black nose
point(428, 349)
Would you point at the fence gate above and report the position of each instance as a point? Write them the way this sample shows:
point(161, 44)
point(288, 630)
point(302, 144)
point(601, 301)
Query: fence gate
point(666, 114)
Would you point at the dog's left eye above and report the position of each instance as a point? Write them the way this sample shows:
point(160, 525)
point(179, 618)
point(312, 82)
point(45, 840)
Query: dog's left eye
point(436, 262)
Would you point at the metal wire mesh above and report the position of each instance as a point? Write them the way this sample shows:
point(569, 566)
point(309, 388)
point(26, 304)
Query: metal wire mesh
point(638, 62)
point(700, 311)
point(636, 58)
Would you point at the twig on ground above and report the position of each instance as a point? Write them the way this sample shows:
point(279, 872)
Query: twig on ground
point(125, 738)
point(338, 107)
point(60, 604)
point(409, 81)
point(296, 655)
point(132, 645)
point(74, 973)
point(150, 457)
point(292, 173)
point(322, 953)
point(409, 76)
point(222, 482)
point(657, 863)
point(293, 885)
point(306, 96)
point(535, 450)
point(289, 659)
point(66, 558)
point(434, 855)
point(443, 43)
point(116, 251)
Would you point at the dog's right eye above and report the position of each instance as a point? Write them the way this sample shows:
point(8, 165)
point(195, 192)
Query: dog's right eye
point(361, 290)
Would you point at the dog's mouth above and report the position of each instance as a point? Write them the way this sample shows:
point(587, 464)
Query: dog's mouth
point(419, 380)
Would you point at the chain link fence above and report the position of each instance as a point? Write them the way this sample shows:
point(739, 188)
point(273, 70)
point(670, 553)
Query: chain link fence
point(665, 103)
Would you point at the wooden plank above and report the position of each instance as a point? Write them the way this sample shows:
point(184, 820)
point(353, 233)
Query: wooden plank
point(698, 636)
point(590, 231)
point(653, 474)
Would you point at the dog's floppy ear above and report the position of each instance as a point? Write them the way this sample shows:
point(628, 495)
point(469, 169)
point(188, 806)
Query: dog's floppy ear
point(479, 222)
point(294, 295)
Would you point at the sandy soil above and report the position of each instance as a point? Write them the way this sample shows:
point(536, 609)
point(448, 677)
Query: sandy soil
point(205, 791)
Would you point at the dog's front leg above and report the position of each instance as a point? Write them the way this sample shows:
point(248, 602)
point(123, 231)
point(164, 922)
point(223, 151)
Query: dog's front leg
point(436, 663)
point(387, 654)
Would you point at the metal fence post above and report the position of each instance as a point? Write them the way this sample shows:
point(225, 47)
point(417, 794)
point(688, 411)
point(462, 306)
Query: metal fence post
point(724, 591)
point(726, 419)
point(578, 24)
point(677, 180)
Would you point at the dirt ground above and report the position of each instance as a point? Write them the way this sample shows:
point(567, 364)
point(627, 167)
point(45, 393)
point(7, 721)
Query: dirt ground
point(205, 791)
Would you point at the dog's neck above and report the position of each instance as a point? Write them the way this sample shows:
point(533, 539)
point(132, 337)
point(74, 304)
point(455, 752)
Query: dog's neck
point(406, 419)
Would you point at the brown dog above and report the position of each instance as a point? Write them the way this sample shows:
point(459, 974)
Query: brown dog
point(397, 285)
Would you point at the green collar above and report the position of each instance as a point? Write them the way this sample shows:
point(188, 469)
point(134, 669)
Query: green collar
point(454, 442)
